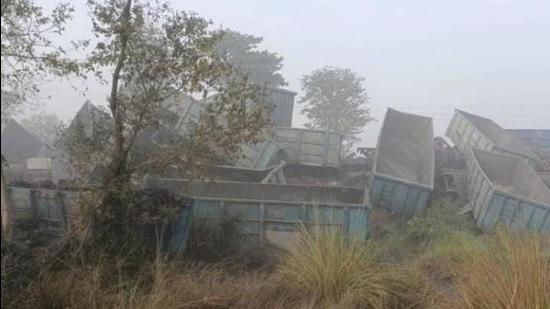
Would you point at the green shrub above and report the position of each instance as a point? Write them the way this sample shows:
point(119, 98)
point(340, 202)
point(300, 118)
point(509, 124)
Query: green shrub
point(405, 239)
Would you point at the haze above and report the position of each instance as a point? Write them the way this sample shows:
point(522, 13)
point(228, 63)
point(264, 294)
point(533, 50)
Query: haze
point(427, 57)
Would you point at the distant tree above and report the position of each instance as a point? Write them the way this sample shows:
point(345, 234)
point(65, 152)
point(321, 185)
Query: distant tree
point(334, 99)
point(241, 51)
point(45, 126)
point(28, 52)
point(149, 53)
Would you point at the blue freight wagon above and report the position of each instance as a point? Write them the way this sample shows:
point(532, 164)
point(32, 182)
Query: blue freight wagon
point(60, 208)
point(504, 189)
point(469, 131)
point(403, 171)
point(276, 212)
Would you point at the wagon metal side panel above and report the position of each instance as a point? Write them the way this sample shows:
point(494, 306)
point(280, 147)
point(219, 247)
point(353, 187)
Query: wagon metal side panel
point(279, 222)
point(470, 131)
point(492, 206)
point(59, 208)
point(515, 213)
point(480, 189)
point(398, 196)
point(22, 203)
point(403, 170)
point(259, 156)
point(466, 136)
point(309, 146)
point(282, 107)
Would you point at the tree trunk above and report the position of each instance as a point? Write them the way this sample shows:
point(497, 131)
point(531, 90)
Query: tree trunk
point(6, 209)
point(117, 180)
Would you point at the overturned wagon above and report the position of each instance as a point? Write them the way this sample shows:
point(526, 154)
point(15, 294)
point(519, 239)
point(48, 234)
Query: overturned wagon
point(403, 171)
point(503, 189)
point(311, 147)
point(275, 212)
point(469, 131)
point(294, 145)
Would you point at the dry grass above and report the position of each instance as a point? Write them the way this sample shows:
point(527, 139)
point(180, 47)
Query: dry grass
point(325, 270)
point(514, 272)
point(338, 271)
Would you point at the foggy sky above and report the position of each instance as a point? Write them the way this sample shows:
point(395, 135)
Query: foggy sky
point(427, 57)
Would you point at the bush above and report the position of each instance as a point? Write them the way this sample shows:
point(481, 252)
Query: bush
point(216, 241)
point(403, 240)
point(213, 240)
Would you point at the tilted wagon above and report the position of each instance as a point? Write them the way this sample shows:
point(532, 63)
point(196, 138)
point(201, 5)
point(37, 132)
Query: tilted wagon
point(403, 171)
point(504, 189)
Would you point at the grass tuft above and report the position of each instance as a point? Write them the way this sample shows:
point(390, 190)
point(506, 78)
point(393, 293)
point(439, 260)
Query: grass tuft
point(514, 272)
point(337, 270)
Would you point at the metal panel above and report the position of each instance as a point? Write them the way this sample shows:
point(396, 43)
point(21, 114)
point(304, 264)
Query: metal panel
point(493, 205)
point(275, 212)
point(469, 131)
point(261, 218)
point(282, 107)
point(57, 207)
point(259, 156)
point(402, 177)
point(397, 196)
point(22, 203)
point(309, 146)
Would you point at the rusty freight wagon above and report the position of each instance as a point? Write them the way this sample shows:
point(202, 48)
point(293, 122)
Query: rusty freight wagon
point(504, 189)
point(403, 171)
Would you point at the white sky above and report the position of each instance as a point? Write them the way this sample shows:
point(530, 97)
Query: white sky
point(489, 57)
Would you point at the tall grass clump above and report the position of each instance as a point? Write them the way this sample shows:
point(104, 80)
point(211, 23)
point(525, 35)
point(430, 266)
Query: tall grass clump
point(514, 272)
point(335, 270)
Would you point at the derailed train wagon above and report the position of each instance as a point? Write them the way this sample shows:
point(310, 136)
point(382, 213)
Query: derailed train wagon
point(469, 131)
point(403, 171)
point(504, 189)
point(276, 212)
point(310, 147)
point(60, 210)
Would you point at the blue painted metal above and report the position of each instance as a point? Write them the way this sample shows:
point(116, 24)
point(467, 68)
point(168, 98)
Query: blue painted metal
point(60, 207)
point(179, 231)
point(310, 147)
point(271, 211)
point(258, 217)
point(261, 155)
point(282, 102)
point(398, 196)
point(402, 177)
point(469, 131)
point(495, 204)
